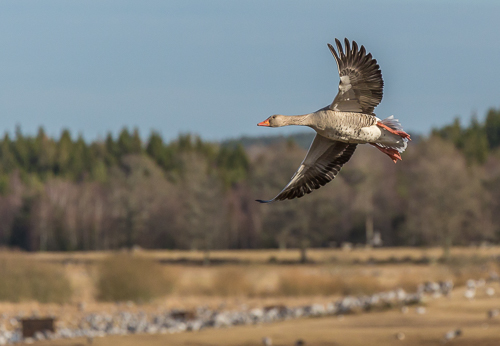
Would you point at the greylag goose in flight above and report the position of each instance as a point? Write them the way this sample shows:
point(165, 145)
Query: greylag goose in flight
point(344, 124)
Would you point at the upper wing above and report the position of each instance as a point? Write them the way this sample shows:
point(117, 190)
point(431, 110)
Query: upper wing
point(323, 161)
point(361, 85)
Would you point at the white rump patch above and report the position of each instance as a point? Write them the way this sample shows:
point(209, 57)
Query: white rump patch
point(401, 143)
point(393, 123)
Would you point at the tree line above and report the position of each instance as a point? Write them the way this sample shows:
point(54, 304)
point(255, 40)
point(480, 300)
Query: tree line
point(61, 194)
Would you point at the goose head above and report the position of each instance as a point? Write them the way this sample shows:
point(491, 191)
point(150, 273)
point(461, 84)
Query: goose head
point(276, 120)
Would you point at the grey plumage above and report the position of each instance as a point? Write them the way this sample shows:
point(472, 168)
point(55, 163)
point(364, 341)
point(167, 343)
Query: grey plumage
point(348, 121)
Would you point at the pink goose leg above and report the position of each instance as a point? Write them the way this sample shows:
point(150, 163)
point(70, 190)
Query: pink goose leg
point(392, 153)
point(396, 132)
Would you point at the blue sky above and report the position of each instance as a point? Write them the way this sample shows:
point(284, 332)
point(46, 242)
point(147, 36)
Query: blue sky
point(216, 68)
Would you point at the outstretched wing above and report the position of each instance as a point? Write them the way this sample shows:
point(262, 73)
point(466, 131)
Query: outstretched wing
point(323, 161)
point(361, 85)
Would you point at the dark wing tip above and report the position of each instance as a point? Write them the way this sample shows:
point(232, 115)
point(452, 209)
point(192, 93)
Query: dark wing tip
point(339, 48)
point(347, 45)
point(354, 48)
point(334, 53)
point(262, 201)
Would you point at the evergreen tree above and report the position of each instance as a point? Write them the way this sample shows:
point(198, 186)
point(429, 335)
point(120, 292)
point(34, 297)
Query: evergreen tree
point(129, 144)
point(451, 133)
point(80, 161)
point(475, 142)
point(45, 153)
point(99, 157)
point(492, 125)
point(64, 151)
point(233, 164)
point(156, 149)
point(136, 143)
point(21, 150)
point(112, 151)
point(184, 142)
point(7, 159)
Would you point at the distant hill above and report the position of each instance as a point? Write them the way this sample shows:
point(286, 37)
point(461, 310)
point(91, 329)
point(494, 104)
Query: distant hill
point(302, 139)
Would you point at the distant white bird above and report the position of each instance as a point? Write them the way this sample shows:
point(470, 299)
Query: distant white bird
point(452, 334)
point(266, 341)
point(446, 287)
point(490, 291)
point(471, 284)
point(420, 310)
point(493, 313)
point(470, 293)
point(494, 276)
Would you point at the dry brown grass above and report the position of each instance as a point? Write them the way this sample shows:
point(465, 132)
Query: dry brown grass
point(297, 283)
point(314, 280)
point(25, 280)
point(231, 282)
point(123, 277)
point(221, 281)
point(141, 277)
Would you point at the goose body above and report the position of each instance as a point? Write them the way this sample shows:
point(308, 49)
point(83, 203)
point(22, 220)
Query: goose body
point(348, 127)
point(344, 124)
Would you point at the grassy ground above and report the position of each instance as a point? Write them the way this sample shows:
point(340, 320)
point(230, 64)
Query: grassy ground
point(261, 284)
point(272, 277)
point(377, 328)
point(269, 273)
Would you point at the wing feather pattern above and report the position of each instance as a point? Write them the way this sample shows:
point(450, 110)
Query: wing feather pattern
point(323, 161)
point(361, 84)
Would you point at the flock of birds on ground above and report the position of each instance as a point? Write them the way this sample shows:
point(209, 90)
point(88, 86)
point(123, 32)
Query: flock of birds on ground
point(175, 321)
point(348, 121)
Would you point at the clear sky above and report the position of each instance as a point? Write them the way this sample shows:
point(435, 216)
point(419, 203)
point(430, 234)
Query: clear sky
point(216, 68)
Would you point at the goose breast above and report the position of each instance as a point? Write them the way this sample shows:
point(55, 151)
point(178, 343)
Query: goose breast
point(345, 126)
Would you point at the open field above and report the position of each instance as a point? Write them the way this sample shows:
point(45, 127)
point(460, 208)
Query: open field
point(376, 328)
point(250, 275)
point(252, 279)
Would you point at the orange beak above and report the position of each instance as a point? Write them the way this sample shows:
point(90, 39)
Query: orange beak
point(264, 123)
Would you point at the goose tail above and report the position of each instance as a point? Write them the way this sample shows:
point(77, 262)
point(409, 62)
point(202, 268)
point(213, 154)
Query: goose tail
point(393, 140)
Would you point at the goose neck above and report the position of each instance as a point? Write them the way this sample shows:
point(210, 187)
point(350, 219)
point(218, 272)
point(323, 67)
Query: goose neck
point(303, 120)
